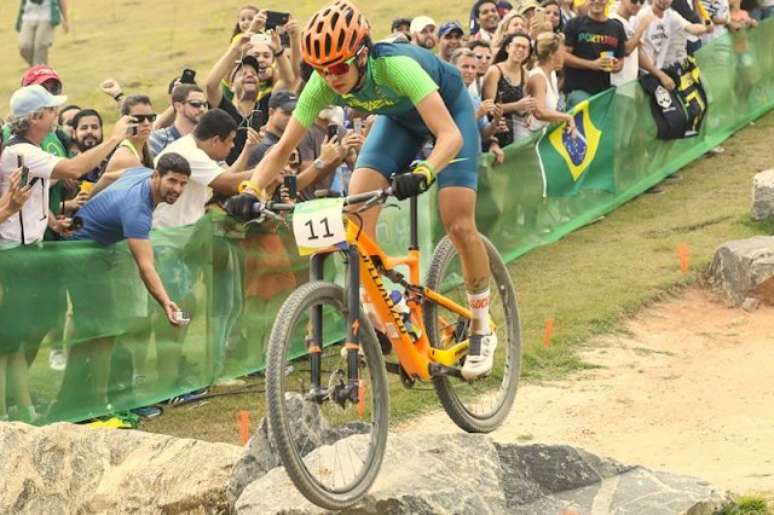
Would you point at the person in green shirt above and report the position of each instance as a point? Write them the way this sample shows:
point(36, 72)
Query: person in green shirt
point(35, 24)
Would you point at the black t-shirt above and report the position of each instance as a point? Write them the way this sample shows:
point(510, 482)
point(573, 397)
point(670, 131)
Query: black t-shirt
point(268, 141)
point(241, 133)
point(588, 38)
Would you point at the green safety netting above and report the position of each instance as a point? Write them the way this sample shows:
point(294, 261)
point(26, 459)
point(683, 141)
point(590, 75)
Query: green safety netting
point(89, 301)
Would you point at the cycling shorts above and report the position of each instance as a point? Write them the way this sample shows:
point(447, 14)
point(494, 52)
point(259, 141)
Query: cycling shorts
point(393, 143)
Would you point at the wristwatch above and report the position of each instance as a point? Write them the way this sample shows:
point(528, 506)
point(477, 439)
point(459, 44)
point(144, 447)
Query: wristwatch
point(319, 164)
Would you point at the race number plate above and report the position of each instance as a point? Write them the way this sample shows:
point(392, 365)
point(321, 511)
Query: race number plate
point(318, 225)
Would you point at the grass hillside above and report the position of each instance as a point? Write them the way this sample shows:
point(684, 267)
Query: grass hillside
point(144, 43)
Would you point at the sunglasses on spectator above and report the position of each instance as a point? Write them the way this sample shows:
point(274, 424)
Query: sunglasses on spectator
point(144, 117)
point(342, 68)
point(196, 104)
point(482, 57)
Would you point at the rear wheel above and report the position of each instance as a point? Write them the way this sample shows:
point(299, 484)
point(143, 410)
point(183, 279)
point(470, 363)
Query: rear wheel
point(332, 451)
point(478, 406)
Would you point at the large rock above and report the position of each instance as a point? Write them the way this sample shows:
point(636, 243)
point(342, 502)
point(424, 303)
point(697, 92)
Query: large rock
point(311, 431)
point(745, 268)
point(471, 474)
point(65, 468)
point(763, 195)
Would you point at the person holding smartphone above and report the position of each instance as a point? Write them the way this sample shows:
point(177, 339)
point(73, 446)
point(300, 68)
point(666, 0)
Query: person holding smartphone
point(12, 200)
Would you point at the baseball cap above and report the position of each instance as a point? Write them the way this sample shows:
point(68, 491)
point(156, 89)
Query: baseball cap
point(397, 22)
point(39, 74)
point(283, 99)
point(33, 98)
point(419, 23)
point(526, 6)
point(449, 26)
point(503, 6)
point(249, 61)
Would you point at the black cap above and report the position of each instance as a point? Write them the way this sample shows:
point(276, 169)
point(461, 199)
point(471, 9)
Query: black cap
point(249, 61)
point(283, 99)
point(397, 22)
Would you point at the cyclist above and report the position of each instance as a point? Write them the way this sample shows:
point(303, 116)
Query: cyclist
point(417, 96)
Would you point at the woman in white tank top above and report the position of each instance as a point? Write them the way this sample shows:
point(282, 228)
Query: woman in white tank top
point(542, 83)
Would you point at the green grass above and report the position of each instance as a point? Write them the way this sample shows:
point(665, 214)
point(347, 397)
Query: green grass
point(749, 505)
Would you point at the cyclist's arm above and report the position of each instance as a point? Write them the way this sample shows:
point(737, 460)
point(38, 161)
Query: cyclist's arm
point(277, 157)
point(448, 138)
point(409, 78)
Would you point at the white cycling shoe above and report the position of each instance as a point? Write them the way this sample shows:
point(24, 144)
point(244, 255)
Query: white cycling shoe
point(480, 356)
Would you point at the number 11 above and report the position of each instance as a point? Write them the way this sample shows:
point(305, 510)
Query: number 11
point(312, 235)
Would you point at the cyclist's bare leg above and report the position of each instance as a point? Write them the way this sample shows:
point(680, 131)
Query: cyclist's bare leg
point(458, 213)
point(368, 179)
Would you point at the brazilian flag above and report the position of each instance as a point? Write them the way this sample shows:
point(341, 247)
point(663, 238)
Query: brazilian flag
point(585, 161)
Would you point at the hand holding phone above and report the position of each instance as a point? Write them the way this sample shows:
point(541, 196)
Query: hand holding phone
point(24, 178)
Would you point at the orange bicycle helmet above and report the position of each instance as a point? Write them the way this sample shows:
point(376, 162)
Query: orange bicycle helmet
point(333, 35)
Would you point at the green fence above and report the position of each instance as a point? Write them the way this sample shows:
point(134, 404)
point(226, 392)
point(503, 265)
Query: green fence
point(89, 302)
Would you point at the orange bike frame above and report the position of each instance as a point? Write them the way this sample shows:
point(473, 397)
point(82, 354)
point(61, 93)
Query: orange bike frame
point(415, 356)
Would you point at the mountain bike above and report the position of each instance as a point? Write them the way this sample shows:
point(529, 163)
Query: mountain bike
point(326, 382)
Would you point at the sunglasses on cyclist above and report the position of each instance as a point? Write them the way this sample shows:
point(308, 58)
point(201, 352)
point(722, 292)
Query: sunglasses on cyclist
point(341, 68)
point(144, 117)
point(196, 104)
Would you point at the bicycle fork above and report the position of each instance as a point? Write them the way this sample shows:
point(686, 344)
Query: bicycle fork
point(341, 392)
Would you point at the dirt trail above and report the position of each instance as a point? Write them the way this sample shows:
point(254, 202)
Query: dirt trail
point(689, 390)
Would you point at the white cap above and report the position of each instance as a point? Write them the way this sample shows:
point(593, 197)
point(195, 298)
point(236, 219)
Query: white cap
point(30, 99)
point(419, 23)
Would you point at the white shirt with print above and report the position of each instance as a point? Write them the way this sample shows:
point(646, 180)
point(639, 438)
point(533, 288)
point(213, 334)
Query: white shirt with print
point(189, 207)
point(33, 216)
point(656, 39)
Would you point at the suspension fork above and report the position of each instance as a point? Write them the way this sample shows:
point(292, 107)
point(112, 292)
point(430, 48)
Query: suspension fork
point(314, 337)
point(314, 340)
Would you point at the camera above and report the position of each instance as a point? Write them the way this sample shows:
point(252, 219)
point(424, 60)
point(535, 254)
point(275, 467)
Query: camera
point(188, 76)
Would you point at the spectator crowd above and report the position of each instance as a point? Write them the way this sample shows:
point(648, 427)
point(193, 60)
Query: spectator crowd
point(63, 176)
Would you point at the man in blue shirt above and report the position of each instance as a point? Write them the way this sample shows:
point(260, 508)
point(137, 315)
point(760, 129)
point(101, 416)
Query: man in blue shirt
point(125, 211)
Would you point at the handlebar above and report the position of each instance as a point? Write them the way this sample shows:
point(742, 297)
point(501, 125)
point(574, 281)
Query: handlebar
point(368, 198)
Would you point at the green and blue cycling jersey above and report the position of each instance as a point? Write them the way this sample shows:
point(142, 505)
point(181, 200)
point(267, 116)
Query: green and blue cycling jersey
point(397, 77)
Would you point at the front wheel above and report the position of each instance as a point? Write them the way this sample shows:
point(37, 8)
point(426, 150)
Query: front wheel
point(478, 406)
point(331, 448)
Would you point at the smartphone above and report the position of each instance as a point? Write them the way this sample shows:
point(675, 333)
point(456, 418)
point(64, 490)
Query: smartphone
point(183, 317)
point(333, 131)
point(276, 19)
point(133, 130)
point(540, 16)
point(25, 172)
point(76, 223)
point(290, 183)
point(256, 120)
point(188, 76)
point(257, 39)
point(357, 124)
